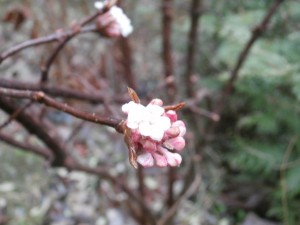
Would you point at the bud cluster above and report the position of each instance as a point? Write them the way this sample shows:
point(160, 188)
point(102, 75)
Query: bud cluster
point(156, 133)
point(113, 23)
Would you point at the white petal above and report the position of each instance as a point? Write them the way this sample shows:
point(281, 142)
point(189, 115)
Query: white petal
point(164, 123)
point(99, 5)
point(135, 116)
point(156, 101)
point(122, 20)
point(132, 124)
point(155, 110)
point(145, 129)
point(156, 134)
point(126, 108)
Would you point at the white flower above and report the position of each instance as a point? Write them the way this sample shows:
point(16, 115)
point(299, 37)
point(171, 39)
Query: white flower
point(99, 5)
point(149, 120)
point(122, 20)
point(119, 16)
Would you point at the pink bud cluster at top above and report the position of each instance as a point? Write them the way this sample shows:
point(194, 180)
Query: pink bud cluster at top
point(113, 23)
point(156, 134)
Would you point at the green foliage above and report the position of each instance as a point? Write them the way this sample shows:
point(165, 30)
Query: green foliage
point(262, 115)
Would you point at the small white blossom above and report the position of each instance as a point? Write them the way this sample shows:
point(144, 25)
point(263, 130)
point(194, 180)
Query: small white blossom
point(99, 5)
point(156, 133)
point(119, 16)
point(122, 20)
point(148, 120)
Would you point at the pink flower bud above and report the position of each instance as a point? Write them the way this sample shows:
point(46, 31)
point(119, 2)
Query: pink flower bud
point(145, 159)
point(160, 160)
point(113, 31)
point(172, 115)
point(180, 124)
point(172, 132)
point(135, 135)
point(173, 159)
point(149, 146)
point(155, 133)
point(156, 101)
point(177, 143)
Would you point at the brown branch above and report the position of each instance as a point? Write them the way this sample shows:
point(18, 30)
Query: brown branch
point(203, 112)
point(15, 114)
point(127, 58)
point(127, 62)
point(168, 63)
point(75, 30)
point(57, 91)
point(256, 33)
point(43, 98)
point(35, 127)
point(195, 12)
point(45, 153)
point(174, 208)
point(73, 165)
point(61, 36)
point(56, 37)
point(141, 189)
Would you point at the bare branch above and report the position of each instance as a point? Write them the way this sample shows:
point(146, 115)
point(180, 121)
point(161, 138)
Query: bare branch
point(195, 13)
point(168, 63)
point(61, 36)
point(127, 62)
point(75, 30)
point(171, 212)
point(256, 33)
point(72, 165)
point(15, 114)
point(43, 98)
point(45, 153)
point(58, 91)
point(35, 127)
point(56, 37)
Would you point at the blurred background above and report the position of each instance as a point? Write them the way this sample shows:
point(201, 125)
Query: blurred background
point(242, 160)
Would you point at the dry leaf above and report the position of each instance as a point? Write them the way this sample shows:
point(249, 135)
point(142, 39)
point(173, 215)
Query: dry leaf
point(131, 148)
point(175, 107)
point(133, 95)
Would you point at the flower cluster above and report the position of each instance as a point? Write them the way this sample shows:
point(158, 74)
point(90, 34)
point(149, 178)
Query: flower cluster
point(113, 23)
point(156, 133)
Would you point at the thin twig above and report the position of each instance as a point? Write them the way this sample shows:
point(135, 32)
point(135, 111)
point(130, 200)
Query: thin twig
point(33, 126)
point(203, 112)
point(141, 189)
point(43, 98)
point(15, 114)
point(58, 91)
point(45, 153)
point(168, 63)
point(71, 164)
point(195, 13)
point(56, 37)
point(256, 33)
point(61, 36)
point(75, 30)
point(173, 209)
point(283, 183)
point(127, 62)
